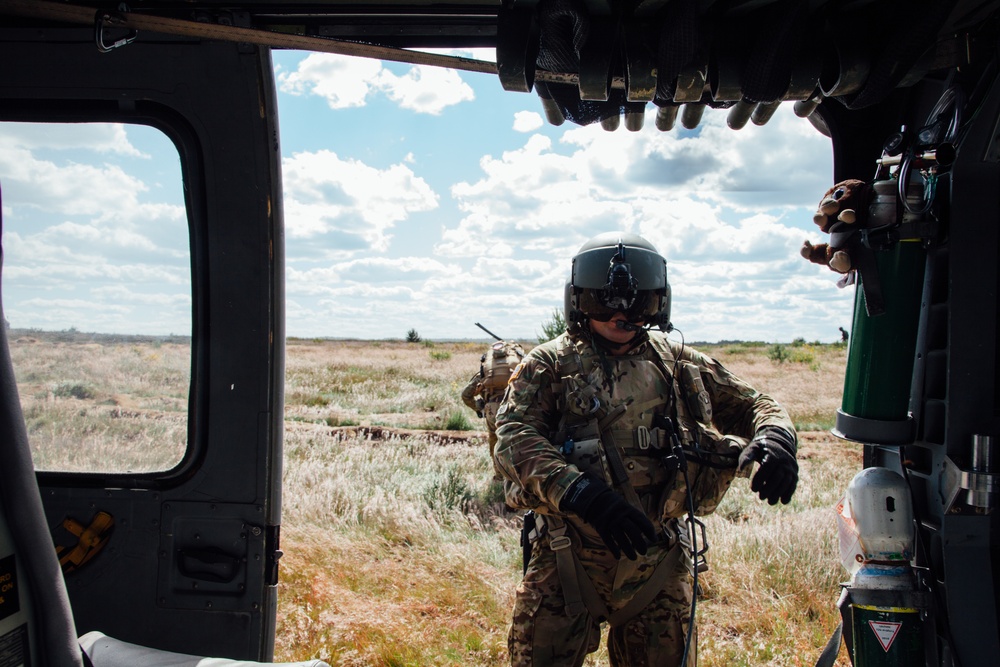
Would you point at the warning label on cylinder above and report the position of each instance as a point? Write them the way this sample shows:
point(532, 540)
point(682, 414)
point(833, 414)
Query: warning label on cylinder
point(14, 648)
point(9, 602)
point(885, 632)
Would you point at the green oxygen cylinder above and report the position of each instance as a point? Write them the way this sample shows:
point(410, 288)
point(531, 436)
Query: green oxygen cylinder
point(880, 356)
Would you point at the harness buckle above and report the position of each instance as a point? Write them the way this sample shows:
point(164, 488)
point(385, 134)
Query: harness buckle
point(642, 437)
point(559, 543)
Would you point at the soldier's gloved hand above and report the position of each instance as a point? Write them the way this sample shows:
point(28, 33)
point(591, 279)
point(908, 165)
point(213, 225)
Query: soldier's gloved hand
point(778, 474)
point(623, 528)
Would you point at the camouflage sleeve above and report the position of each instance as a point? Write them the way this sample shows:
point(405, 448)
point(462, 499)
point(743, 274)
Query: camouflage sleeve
point(526, 422)
point(738, 408)
point(471, 391)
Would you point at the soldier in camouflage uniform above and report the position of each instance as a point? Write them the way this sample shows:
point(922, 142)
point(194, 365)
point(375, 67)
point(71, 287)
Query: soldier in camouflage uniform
point(612, 434)
point(485, 389)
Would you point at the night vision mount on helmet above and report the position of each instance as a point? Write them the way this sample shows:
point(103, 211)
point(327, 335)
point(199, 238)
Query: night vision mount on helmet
point(616, 272)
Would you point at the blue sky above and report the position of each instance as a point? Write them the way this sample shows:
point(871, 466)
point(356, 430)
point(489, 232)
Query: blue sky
point(429, 199)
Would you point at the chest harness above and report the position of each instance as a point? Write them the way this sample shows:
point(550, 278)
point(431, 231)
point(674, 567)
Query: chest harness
point(586, 421)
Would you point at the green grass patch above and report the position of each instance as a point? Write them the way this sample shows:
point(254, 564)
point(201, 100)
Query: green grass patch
point(79, 390)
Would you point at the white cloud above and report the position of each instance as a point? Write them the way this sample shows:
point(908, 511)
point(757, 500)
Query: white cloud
point(89, 240)
point(345, 198)
point(726, 208)
point(425, 89)
point(87, 189)
point(527, 121)
point(101, 189)
point(345, 81)
point(109, 138)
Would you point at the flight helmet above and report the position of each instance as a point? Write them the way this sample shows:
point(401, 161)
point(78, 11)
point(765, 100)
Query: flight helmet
point(618, 272)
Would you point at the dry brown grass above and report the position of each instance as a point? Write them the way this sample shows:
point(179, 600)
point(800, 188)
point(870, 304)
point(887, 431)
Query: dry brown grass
point(398, 550)
point(378, 572)
point(92, 407)
point(810, 389)
point(407, 385)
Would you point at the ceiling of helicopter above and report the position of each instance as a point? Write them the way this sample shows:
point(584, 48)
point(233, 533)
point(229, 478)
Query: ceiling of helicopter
point(600, 60)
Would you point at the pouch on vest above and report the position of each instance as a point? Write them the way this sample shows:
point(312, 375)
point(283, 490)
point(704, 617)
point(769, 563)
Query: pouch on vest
point(709, 479)
point(695, 395)
point(584, 454)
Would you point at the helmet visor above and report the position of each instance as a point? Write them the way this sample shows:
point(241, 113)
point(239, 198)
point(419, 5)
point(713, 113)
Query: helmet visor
point(601, 305)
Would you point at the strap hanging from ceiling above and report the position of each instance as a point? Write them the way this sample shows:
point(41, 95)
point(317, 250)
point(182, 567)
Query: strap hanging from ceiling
point(125, 19)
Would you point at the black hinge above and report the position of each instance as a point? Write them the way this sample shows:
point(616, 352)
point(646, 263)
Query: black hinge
point(271, 543)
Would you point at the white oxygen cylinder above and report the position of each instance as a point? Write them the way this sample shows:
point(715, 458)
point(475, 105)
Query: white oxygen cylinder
point(880, 504)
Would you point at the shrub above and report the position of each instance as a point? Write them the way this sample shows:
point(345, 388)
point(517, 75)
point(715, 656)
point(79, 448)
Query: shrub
point(79, 390)
point(457, 421)
point(778, 353)
point(803, 355)
point(450, 494)
point(440, 355)
point(553, 327)
point(341, 421)
point(412, 336)
point(319, 401)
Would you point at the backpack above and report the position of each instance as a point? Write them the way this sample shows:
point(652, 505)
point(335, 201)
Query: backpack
point(486, 388)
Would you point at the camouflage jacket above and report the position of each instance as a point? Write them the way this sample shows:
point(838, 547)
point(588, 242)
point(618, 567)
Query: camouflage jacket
point(567, 392)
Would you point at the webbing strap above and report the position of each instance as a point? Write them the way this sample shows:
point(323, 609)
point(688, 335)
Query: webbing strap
point(663, 348)
point(578, 590)
point(639, 408)
point(612, 417)
point(568, 361)
point(620, 475)
point(650, 589)
point(59, 11)
point(566, 560)
point(92, 539)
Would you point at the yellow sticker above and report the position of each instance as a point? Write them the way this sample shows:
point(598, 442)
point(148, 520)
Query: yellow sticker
point(516, 373)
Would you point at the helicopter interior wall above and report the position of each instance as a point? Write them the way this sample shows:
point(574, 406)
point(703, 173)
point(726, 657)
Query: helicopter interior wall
point(968, 538)
point(954, 392)
point(156, 582)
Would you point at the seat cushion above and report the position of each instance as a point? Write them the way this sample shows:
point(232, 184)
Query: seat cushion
point(106, 651)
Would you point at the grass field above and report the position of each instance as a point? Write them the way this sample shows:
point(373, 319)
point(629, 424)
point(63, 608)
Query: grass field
point(398, 549)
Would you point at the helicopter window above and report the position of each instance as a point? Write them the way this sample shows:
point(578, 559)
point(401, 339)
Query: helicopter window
point(97, 294)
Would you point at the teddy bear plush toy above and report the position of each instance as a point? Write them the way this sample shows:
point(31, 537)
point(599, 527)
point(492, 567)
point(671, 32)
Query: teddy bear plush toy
point(842, 212)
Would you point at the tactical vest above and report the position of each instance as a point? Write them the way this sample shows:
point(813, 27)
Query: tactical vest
point(637, 454)
point(635, 446)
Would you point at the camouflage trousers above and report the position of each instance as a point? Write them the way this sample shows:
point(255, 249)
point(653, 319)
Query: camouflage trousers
point(542, 633)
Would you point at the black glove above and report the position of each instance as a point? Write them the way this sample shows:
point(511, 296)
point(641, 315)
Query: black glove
point(778, 474)
point(623, 528)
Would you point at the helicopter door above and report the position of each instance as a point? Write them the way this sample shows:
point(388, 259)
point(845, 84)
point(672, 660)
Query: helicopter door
point(180, 554)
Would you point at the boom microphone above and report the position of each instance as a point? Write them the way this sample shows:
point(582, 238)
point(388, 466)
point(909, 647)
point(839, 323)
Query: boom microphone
point(627, 326)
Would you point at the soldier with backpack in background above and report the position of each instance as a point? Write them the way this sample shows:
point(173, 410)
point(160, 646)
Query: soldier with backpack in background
point(485, 389)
